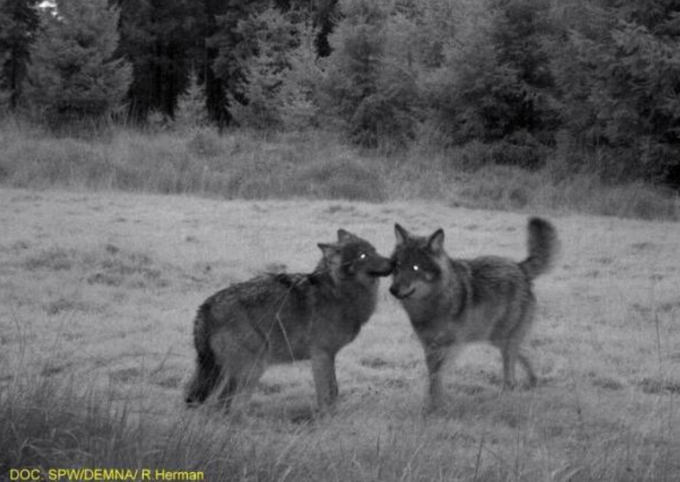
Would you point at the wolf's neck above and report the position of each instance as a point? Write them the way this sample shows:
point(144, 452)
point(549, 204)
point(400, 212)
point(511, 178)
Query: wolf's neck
point(359, 299)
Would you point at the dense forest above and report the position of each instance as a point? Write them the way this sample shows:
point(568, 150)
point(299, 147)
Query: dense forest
point(589, 84)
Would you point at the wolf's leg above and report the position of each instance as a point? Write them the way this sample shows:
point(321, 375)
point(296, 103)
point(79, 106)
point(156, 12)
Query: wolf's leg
point(335, 391)
point(509, 353)
point(205, 379)
point(518, 336)
point(247, 379)
point(526, 363)
point(325, 382)
point(227, 391)
point(238, 385)
point(241, 353)
point(435, 356)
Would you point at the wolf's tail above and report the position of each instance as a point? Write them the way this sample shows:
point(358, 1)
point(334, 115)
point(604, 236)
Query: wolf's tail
point(207, 370)
point(543, 247)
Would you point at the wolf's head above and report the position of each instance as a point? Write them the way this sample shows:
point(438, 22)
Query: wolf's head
point(352, 257)
point(417, 264)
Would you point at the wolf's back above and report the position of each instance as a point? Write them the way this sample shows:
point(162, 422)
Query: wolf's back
point(543, 246)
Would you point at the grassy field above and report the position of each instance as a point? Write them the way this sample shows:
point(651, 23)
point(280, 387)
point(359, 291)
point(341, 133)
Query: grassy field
point(312, 165)
point(98, 291)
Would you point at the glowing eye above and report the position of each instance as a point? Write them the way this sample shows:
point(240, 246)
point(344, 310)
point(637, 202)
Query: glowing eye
point(362, 256)
point(416, 267)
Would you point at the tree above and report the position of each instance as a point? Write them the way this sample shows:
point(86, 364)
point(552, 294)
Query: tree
point(626, 103)
point(325, 12)
point(159, 38)
point(232, 47)
point(18, 24)
point(73, 75)
point(496, 84)
point(280, 77)
point(191, 111)
point(370, 86)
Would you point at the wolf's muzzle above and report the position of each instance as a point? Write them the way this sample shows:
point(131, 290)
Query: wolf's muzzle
point(383, 268)
point(399, 294)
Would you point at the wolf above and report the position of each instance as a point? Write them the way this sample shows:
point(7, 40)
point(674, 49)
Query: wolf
point(282, 318)
point(453, 302)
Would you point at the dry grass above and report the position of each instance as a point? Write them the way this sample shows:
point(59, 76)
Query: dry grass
point(98, 292)
point(312, 165)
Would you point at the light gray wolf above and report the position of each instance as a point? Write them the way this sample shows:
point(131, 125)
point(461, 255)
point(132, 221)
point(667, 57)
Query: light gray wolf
point(453, 302)
point(282, 317)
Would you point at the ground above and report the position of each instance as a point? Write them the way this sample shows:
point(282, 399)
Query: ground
point(101, 288)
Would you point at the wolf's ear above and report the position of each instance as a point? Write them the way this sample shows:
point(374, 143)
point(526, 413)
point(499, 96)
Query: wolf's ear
point(330, 251)
point(401, 234)
point(344, 236)
point(436, 241)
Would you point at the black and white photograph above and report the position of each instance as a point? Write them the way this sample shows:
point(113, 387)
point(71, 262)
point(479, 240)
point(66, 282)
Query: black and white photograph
point(340, 240)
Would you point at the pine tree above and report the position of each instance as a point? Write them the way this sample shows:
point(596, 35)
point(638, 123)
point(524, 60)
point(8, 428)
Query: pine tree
point(233, 47)
point(496, 84)
point(369, 86)
point(274, 36)
point(300, 88)
point(280, 77)
point(18, 24)
point(74, 76)
point(160, 39)
point(622, 90)
point(191, 111)
point(324, 20)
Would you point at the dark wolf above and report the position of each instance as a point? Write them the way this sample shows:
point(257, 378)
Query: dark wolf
point(282, 318)
point(453, 302)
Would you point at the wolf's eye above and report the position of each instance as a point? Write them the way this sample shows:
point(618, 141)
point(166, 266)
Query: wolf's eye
point(363, 256)
point(416, 267)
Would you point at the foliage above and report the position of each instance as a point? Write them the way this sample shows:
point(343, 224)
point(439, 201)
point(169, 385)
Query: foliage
point(369, 84)
point(591, 85)
point(275, 36)
point(495, 85)
point(18, 25)
point(232, 47)
point(157, 38)
point(629, 100)
point(73, 76)
point(191, 105)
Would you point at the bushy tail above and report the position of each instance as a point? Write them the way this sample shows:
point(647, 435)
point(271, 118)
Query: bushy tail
point(207, 370)
point(543, 247)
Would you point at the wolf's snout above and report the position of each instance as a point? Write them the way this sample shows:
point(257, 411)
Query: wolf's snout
point(382, 268)
point(401, 294)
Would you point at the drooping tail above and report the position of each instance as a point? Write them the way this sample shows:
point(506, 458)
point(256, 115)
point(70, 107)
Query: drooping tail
point(207, 372)
point(543, 247)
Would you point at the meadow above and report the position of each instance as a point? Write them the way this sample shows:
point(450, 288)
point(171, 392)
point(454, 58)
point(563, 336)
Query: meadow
point(249, 165)
point(99, 285)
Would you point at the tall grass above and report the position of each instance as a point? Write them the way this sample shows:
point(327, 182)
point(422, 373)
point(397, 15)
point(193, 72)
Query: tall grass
point(316, 165)
point(51, 424)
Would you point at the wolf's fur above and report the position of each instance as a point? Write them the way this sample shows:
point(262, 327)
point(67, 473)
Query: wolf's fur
point(280, 318)
point(452, 302)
